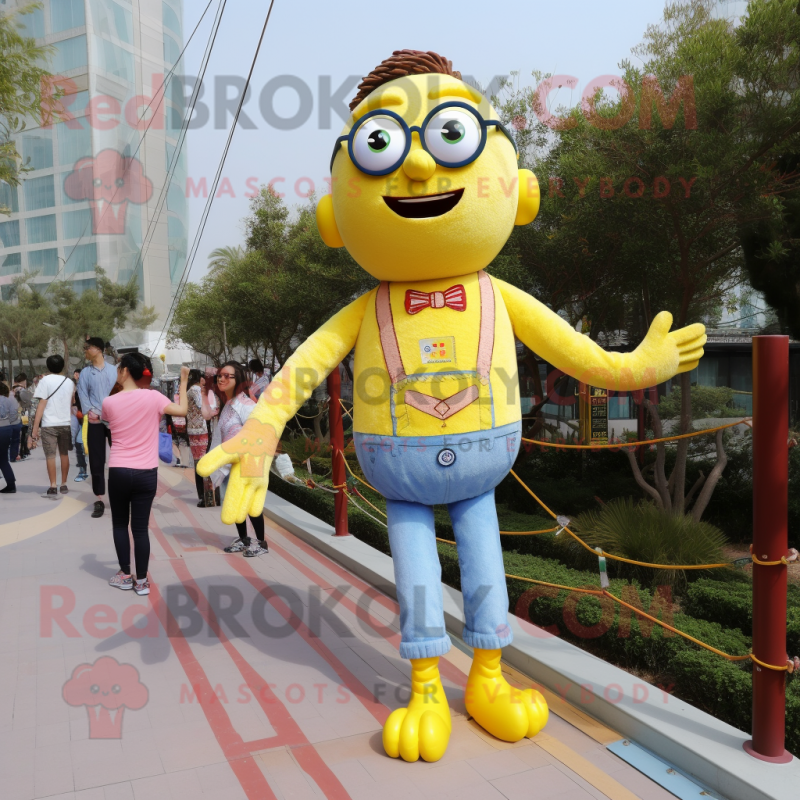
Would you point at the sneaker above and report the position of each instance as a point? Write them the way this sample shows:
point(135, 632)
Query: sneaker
point(237, 546)
point(121, 581)
point(99, 508)
point(142, 587)
point(256, 549)
point(64, 488)
point(81, 476)
point(51, 493)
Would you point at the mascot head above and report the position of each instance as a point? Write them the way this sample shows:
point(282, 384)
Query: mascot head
point(424, 176)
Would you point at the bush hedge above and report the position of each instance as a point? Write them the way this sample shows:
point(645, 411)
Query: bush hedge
point(720, 687)
point(732, 606)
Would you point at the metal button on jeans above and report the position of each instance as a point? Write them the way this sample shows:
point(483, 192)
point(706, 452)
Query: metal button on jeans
point(446, 457)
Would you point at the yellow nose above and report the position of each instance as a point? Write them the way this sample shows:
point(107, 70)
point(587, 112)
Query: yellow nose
point(419, 166)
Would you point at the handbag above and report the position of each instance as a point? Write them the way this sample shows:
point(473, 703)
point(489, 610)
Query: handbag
point(165, 447)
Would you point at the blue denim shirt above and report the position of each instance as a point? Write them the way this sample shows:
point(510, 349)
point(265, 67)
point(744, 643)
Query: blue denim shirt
point(94, 385)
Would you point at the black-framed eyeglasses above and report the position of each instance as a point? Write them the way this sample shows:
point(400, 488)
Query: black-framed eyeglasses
point(226, 375)
point(454, 134)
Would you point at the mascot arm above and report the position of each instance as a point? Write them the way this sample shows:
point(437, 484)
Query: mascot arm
point(251, 451)
point(659, 357)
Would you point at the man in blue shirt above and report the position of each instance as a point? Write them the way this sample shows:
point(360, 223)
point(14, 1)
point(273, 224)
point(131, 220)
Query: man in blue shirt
point(95, 384)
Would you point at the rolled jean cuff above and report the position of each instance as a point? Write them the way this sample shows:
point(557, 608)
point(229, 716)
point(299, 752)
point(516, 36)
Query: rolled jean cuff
point(486, 641)
point(427, 649)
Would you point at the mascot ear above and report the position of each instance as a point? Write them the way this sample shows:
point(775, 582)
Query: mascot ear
point(528, 201)
point(326, 223)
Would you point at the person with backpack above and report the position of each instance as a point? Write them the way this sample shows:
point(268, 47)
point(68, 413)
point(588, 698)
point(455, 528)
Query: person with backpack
point(54, 393)
point(133, 415)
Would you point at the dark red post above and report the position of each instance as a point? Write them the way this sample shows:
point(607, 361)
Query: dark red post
point(770, 543)
point(337, 447)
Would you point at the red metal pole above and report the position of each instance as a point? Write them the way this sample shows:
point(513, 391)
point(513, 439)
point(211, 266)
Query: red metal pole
point(770, 543)
point(337, 446)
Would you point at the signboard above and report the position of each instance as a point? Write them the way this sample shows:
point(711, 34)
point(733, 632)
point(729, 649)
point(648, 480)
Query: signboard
point(594, 414)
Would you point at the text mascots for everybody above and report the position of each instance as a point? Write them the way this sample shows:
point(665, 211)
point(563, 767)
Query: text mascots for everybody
point(425, 193)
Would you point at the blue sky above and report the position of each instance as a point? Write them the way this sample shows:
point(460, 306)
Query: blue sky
point(342, 38)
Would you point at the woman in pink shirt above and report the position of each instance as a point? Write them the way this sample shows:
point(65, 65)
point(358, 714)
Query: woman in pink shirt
point(133, 415)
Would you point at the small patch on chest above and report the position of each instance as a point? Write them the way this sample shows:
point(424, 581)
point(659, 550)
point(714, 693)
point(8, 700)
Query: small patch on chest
point(441, 350)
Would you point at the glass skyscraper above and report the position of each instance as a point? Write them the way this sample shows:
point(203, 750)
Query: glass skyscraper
point(96, 181)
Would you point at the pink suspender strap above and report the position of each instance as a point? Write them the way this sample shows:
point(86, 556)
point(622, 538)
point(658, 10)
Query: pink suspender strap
point(391, 349)
point(486, 338)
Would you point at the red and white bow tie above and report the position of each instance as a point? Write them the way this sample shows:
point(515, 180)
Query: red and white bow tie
point(455, 297)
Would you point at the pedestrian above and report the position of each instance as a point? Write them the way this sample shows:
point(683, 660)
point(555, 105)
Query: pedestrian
point(235, 407)
point(54, 393)
point(261, 378)
point(24, 397)
point(94, 385)
point(133, 415)
point(196, 429)
point(9, 415)
point(76, 429)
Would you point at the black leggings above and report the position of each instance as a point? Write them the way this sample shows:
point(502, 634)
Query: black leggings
point(258, 527)
point(97, 434)
point(131, 493)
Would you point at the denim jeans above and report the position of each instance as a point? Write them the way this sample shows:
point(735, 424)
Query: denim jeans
point(415, 474)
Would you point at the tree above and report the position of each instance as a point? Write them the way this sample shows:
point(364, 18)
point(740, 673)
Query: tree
point(22, 323)
point(642, 211)
point(282, 287)
point(222, 258)
point(21, 77)
point(96, 312)
point(198, 319)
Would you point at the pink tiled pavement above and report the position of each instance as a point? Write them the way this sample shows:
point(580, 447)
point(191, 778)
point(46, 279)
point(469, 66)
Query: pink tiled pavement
point(232, 712)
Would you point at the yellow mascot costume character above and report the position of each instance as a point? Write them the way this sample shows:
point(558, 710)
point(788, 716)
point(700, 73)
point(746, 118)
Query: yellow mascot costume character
point(425, 191)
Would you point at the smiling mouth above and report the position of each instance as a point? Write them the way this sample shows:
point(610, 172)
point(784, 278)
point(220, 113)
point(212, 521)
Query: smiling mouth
point(429, 205)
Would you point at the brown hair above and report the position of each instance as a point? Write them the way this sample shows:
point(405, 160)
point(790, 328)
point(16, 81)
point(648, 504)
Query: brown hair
point(402, 63)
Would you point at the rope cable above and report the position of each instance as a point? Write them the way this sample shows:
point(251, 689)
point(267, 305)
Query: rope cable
point(206, 211)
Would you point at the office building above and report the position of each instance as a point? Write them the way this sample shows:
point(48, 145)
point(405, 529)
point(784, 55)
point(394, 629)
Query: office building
point(96, 180)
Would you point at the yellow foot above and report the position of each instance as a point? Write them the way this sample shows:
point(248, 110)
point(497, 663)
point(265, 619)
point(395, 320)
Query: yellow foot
point(423, 727)
point(505, 712)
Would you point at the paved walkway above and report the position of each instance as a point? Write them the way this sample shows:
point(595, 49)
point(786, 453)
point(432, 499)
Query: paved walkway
point(237, 678)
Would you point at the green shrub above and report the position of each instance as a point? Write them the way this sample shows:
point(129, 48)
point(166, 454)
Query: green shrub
point(729, 604)
point(722, 688)
point(643, 532)
point(707, 402)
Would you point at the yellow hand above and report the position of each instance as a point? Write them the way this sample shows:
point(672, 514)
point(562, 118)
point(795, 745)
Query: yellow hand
point(682, 349)
point(250, 453)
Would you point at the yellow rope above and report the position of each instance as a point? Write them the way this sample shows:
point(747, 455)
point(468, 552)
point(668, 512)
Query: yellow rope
point(359, 479)
point(609, 555)
point(783, 560)
point(621, 445)
point(769, 666)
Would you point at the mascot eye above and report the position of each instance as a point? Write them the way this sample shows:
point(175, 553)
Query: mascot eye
point(119, 182)
point(97, 182)
point(453, 135)
point(453, 131)
point(116, 688)
point(378, 141)
point(94, 689)
point(379, 145)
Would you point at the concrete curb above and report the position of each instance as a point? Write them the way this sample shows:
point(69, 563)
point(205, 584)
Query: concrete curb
point(695, 742)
